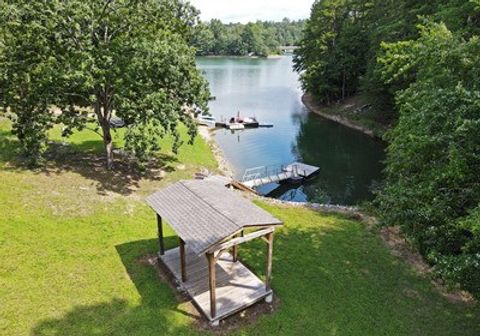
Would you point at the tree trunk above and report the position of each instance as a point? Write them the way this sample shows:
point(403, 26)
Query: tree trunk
point(108, 142)
point(103, 114)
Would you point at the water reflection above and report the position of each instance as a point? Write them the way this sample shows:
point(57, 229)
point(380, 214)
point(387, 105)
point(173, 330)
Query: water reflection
point(350, 162)
point(269, 89)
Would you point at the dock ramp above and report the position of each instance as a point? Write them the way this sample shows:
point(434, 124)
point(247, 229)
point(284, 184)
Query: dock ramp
point(255, 177)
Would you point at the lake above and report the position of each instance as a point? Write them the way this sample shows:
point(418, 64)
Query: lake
point(350, 162)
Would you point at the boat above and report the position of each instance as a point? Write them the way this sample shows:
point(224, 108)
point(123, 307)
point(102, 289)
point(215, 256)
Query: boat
point(240, 123)
point(206, 120)
point(235, 126)
point(247, 122)
point(250, 122)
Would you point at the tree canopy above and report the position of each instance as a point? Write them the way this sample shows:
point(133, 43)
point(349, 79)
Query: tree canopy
point(338, 54)
point(124, 58)
point(433, 187)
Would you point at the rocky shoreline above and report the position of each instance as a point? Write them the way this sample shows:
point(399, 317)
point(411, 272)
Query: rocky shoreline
point(308, 101)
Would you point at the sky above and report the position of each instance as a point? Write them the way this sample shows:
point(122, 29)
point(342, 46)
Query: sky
point(252, 10)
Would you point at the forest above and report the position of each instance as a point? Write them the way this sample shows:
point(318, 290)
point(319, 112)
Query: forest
point(261, 38)
point(417, 63)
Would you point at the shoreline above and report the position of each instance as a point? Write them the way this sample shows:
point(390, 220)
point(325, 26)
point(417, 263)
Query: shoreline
point(224, 166)
point(245, 57)
point(308, 101)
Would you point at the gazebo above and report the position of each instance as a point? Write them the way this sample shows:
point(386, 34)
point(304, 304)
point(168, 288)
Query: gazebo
point(211, 221)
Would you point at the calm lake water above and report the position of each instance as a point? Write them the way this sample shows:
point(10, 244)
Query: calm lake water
point(350, 162)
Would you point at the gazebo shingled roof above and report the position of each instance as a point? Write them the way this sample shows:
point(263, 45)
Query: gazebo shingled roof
point(203, 213)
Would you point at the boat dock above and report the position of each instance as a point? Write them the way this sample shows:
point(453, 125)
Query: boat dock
point(239, 126)
point(255, 177)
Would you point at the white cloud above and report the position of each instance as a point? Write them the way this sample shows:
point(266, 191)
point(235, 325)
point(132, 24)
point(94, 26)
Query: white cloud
point(253, 10)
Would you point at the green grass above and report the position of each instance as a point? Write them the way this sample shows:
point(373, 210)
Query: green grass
point(70, 263)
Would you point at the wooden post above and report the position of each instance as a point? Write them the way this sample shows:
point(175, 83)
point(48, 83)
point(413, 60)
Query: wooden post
point(160, 235)
point(182, 260)
point(235, 253)
point(235, 250)
point(212, 283)
point(269, 260)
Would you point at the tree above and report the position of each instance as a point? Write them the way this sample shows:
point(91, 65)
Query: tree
point(331, 54)
point(220, 36)
point(203, 39)
point(27, 66)
point(126, 58)
point(252, 40)
point(341, 43)
point(432, 186)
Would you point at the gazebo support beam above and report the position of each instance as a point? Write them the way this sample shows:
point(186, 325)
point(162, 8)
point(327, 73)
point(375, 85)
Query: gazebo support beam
point(241, 240)
point(235, 249)
point(269, 261)
point(160, 235)
point(212, 284)
point(182, 260)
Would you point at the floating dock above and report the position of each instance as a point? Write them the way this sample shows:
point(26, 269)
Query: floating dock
point(255, 177)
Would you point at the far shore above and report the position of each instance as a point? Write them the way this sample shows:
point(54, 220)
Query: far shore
point(248, 57)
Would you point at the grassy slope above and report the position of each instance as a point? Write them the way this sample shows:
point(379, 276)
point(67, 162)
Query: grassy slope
point(70, 265)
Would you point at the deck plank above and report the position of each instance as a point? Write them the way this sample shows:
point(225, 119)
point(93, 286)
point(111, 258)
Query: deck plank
point(237, 286)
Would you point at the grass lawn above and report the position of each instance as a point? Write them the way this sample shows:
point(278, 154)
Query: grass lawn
point(72, 239)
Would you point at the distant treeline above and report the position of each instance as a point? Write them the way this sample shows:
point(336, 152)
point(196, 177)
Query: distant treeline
point(254, 39)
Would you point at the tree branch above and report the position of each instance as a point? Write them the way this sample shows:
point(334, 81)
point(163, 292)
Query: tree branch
point(94, 131)
point(77, 95)
point(104, 10)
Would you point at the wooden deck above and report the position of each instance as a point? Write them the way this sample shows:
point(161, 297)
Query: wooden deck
point(260, 175)
point(236, 286)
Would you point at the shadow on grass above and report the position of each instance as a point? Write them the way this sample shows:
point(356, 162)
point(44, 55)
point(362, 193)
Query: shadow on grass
point(136, 256)
point(9, 147)
point(331, 279)
point(88, 160)
point(157, 313)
